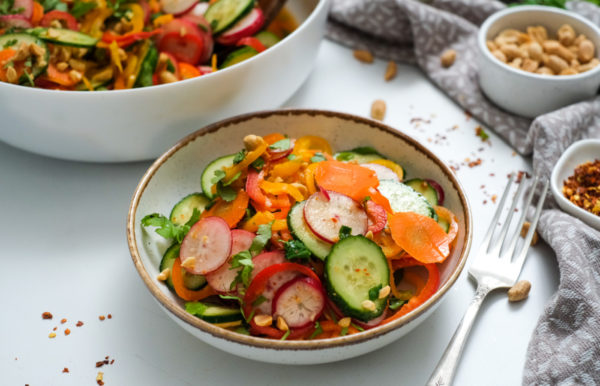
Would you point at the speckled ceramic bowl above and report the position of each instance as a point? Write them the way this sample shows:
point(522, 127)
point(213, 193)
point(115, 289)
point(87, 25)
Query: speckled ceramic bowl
point(177, 173)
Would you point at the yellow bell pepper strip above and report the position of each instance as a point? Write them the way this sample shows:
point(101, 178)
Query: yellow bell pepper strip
point(114, 55)
point(390, 165)
point(87, 83)
point(162, 19)
point(260, 218)
point(285, 169)
point(309, 177)
point(314, 143)
point(154, 6)
point(137, 19)
point(250, 157)
point(93, 22)
point(280, 187)
point(279, 225)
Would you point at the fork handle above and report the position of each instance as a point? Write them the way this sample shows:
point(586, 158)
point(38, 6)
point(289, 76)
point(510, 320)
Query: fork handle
point(446, 367)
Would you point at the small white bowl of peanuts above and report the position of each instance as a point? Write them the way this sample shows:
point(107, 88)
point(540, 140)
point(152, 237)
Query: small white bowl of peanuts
point(536, 59)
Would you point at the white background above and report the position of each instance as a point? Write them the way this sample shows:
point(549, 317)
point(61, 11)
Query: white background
point(65, 251)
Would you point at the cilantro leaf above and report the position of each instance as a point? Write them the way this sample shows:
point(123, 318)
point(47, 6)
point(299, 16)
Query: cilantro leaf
point(168, 229)
point(231, 297)
point(344, 331)
point(80, 8)
point(195, 308)
point(258, 164)
point(10, 43)
point(227, 193)
point(263, 235)
point(259, 300)
point(374, 292)
point(365, 150)
point(232, 179)
point(283, 144)
point(396, 303)
point(345, 231)
point(239, 156)
point(292, 157)
point(242, 260)
point(218, 176)
point(344, 156)
point(50, 5)
point(287, 333)
point(318, 157)
point(295, 249)
point(242, 330)
point(318, 330)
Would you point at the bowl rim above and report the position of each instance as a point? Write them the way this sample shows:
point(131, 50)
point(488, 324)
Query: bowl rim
point(231, 336)
point(317, 10)
point(556, 185)
point(489, 22)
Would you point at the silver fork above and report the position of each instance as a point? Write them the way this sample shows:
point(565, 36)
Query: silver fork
point(494, 267)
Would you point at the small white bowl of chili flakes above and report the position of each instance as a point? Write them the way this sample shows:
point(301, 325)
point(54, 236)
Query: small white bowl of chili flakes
point(575, 181)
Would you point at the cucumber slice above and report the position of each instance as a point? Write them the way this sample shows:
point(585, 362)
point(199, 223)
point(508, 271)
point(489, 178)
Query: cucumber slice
point(347, 156)
point(214, 313)
point(403, 198)
point(15, 40)
point(425, 189)
point(267, 38)
point(238, 56)
point(209, 173)
point(190, 281)
point(167, 262)
point(355, 267)
point(65, 37)
point(146, 69)
point(444, 224)
point(183, 210)
point(300, 230)
point(224, 13)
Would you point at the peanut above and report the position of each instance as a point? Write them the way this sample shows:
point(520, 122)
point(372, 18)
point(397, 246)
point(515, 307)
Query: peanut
point(448, 57)
point(530, 65)
point(553, 47)
point(167, 77)
point(511, 51)
point(566, 35)
point(390, 71)
point(281, 324)
point(500, 55)
point(491, 45)
point(516, 63)
point(11, 75)
point(508, 36)
point(535, 51)
point(378, 110)
point(544, 71)
point(556, 63)
point(363, 56)
point(569, 71)
point(538, 33)
point(588, 66)
point(61, 66)
point(344, 322)
point(586, 51)
point(75, 75)
point(527, 224)
point(519, 291)
point(263, 320)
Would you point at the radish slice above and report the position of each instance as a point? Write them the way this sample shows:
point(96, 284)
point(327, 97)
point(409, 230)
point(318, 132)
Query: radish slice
point(177, 7)
point(382, 172)
point(247, 26)
point(147, 11)
point(438, 188)
point(199, 9)
point(221, 279)
point(279, 154)
point(20, 21)
point(205, 70)
point(377, 216)
point(299, 302)
point(325, 217)
point(26, 5)
point(204, 28)
point(371, 323)
point(209, 243)
point(275, 282)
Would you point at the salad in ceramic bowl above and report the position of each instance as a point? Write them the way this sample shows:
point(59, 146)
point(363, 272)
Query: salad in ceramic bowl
point(285, 243)
point(113, 45)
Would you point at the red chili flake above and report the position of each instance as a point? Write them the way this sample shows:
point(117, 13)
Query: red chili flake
point(106, 357)
point(477, 162)
point(79, 323)
point(583, 187)
point(418, 120)
point(65, 370)
point(492, 174)
point(101, 317)
point(63, 321)
point(46, 315)
point(484, 202)
point(67, 331)
point(468, 115)
point(54, 329)
point(100, 364)
point(109, 316)
point(494, 198)
point(112, 361)
point(100, 382)
point(514, 153)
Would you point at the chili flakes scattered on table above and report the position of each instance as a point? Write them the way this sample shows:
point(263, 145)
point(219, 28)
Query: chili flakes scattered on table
point(46, 315)
point(583, 187)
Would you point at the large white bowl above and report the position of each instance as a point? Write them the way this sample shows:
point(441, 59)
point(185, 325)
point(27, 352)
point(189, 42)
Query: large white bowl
point(578, 153)
point(138, 124)
point(528, 94)
point(177, 173)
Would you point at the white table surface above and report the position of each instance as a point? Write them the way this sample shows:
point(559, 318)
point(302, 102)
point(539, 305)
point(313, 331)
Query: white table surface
point(65, 251)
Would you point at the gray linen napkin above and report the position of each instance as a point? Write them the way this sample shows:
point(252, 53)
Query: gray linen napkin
point(565, 347)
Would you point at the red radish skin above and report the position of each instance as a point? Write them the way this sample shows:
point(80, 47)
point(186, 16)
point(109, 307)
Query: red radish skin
point(147, 11)
point(177, 7)
point(188, 48)
point(205, 70)
point(266, 259)
point(382, 172)
point(247, 26)
point(438, 188)
point(275, 282)
point(7, 21)
point(377, 216)
point(299, 302)
point(325, 216)
point(221, 279)
point(279, 154)
point(197, 19)
point(371, 323)
point(27, 6)
point(209, 243)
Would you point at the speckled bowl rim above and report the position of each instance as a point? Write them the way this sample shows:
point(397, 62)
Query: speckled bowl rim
point(265, 343)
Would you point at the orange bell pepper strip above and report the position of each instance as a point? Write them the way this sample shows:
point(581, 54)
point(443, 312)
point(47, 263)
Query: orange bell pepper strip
point(187, 71)
point(280, 188)
point(346, 178)
point(59, 77)
point(420, 236)
point(309, 178)
point(451, 219)
point(5, 56)
point(182, 291)
point(285, 169)
point(432, 284)
point(162, 20)
point(313, 143)
point(273, 137)
point(37, 14)
point(250, 157)
point(260, 218)
point(387, 244)
point(232, 212)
